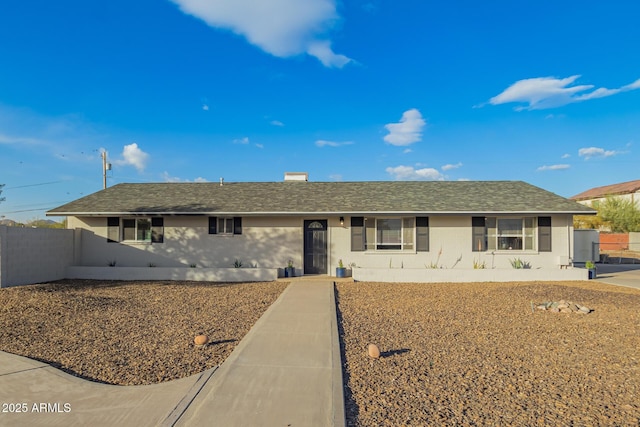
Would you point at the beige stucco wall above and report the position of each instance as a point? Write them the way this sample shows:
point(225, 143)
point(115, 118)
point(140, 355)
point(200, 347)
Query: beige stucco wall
point(451, 237)
point(268, 242)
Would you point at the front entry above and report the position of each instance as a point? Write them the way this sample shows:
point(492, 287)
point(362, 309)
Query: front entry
point(315, 246)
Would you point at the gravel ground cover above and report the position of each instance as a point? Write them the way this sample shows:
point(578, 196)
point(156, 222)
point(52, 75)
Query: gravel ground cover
point(130, 333)
point(476, 354)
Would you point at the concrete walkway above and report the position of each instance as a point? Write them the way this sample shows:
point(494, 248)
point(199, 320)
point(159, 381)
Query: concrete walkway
point(285, 372)
point(619, 274)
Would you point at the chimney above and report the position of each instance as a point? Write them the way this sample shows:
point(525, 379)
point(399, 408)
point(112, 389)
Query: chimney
point(296, 176)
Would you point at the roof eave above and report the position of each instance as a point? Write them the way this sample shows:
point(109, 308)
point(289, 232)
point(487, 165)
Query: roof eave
point(345, 212)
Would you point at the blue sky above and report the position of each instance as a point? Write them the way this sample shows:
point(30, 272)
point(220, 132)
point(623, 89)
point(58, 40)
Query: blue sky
point(542, 91)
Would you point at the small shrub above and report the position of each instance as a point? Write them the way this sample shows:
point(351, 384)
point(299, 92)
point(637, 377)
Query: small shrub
point(479, 265)
point(517, 263)
point(151, 264)
point(112, 263)
point(237, 263)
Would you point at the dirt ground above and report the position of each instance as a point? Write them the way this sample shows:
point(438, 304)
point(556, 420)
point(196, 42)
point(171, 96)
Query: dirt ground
point(130, 332)
point(476, 354)
point(452, 354)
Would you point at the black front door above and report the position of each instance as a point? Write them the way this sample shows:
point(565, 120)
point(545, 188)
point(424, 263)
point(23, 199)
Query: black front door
point(315, 246)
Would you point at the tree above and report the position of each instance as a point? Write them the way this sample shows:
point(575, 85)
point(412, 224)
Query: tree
point(622, 215)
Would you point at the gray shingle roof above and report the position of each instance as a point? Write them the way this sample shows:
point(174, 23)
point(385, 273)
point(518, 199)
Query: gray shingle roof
point(429, 197)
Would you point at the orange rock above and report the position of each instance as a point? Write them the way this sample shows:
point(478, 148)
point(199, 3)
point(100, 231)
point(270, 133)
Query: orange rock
point(374, 351)
point(201, 340)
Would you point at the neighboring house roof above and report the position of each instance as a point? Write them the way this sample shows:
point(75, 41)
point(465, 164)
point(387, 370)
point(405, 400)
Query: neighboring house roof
point(261, 198)
point(609, 190)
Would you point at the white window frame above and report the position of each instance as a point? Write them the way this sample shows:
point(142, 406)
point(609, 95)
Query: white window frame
point(532, 229)
point(146, 239)
point(225, 225)
point(407, 240)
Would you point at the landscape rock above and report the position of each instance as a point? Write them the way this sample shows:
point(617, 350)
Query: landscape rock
point(373, 351)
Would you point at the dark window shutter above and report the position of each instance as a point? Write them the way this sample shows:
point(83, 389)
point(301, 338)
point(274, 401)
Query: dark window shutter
point(479, 234)
point(157, 230)
point(113, 229)
point(422, 234)
point(237, 225)
point(128, 229)
point(213, 225)
point(544, 234)
point(357, 233)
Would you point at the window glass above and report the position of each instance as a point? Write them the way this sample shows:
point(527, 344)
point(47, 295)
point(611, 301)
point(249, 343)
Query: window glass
point(389, 233)
point(528, 234)
point(138, 230)
point(143, 232)
point(492, 233)
point(407, 233)
point(509, 234)
point(225, 225)
point(370, 233)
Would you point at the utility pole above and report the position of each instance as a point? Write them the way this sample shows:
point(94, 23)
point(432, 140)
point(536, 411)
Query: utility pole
point(105, 167)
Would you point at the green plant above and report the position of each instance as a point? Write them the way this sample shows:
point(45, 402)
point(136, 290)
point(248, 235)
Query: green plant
point(517, 263)
point(340, 264)
point(193, 265)
point(112, 263)
point(479, 265)
point(589, 265)
point(290, 263)
point(237, 263)
point(151, 264)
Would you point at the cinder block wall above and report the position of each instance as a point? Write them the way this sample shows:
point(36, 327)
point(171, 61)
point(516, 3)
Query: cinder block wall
point(34, 255)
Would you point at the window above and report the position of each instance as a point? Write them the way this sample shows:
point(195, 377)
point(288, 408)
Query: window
point(225, 225)
point(507, 234)
point(382, 234)
point(137, 230)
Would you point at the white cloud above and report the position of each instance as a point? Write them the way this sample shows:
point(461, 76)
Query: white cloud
point(590, 152)
point(6, 139)
point(169, 178)
point(243, 141)
point(323, 143)
point(409, 173)
point(282, 28)
point(450, 166)
point(205, 107)
point(549, 92)
point(553, 167)
point(335, 177)
point(260, 145)
point(132, 155)
point(277, 123)
point(408, 130)
point(566, 156)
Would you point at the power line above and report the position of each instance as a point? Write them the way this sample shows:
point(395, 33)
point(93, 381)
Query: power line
point(33, 185)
